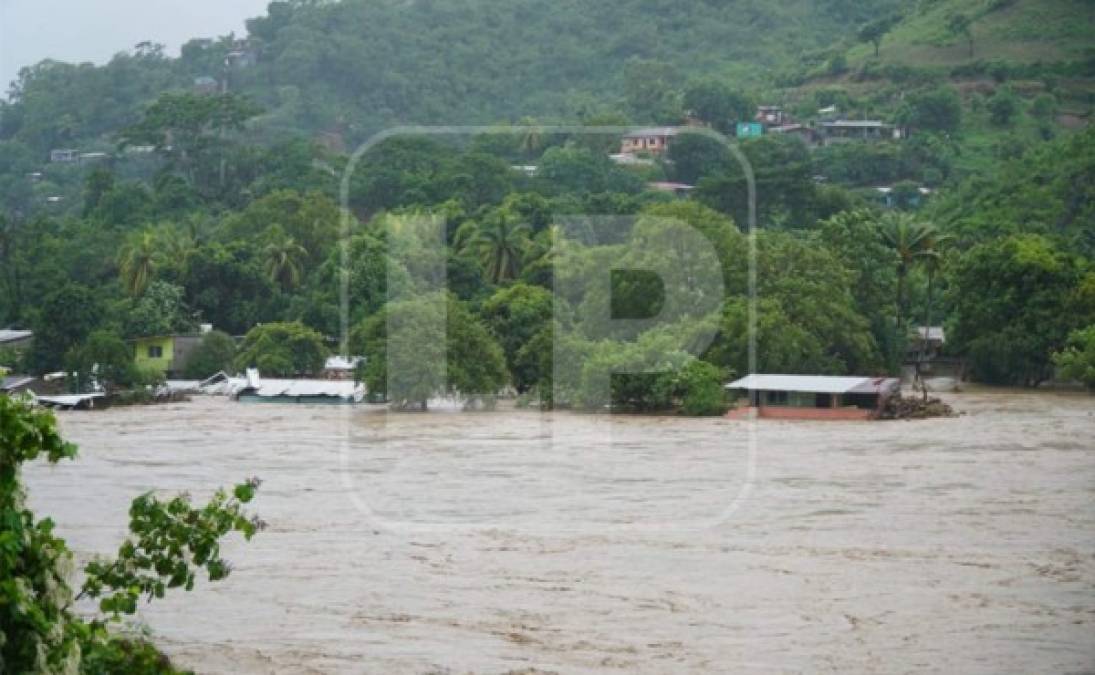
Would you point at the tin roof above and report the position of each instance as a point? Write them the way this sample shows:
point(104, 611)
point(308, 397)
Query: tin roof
point(338, 362)
point(652, 131)
point(14, 381)
point(14, 335)
point(856, 123)
point(814, 384)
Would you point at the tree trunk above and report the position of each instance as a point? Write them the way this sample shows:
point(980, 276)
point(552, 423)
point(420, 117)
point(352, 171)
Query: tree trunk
point(925, 337)
point(901, 272)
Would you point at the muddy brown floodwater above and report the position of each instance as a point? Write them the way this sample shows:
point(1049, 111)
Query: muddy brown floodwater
point(490, 543)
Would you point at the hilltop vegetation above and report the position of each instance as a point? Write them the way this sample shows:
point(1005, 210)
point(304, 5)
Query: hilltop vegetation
point(221, 203)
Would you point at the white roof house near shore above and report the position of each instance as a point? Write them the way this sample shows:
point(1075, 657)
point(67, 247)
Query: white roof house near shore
point(814, 384)
point(817, 397)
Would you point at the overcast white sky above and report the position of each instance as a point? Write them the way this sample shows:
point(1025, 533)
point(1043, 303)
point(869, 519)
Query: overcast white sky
point(94, 30)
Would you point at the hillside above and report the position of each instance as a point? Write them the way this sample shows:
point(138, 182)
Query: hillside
point(353, 67)
point(1013, 31)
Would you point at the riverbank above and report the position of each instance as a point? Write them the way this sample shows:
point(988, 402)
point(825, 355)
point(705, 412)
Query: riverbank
point(595, 543)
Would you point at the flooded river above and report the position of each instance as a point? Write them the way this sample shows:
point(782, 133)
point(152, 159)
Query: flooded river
point(512, 541)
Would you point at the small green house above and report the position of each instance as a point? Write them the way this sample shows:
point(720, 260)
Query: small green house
point(167, 354)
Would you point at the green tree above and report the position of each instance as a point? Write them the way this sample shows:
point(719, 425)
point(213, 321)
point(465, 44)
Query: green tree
point(855, 238)
point(284, 259)
point(515, 315)
point(1015, 302)
point(311, 219)
point(137, 261)
point(935, 109)
point(960, 25)
point(1077, 360)
point(1003, 106)
point(718, 104)
point(700, 388)
point(103, 358)
point(215, 352)
point(874, 31)
point(227, 285)
point(160, 310)
point(189, 131)
point(500, 241)
point(694, 156)
point(441, 350)
point(282, 349)
point(651, 90)
point(909, 239)
point(68, 316)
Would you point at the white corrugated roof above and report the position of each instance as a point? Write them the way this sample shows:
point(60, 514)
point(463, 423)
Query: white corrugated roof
point(856, 123)
point(13, 381)
point(652, 131)
point(814, 384)
point(342, 363)
point(12, 335)
point(291, 388)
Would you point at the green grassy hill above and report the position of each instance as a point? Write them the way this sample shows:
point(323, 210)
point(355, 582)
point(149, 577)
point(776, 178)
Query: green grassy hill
point(1013, 31)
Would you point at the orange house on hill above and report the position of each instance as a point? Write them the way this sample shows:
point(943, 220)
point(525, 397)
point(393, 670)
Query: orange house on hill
point(654, 140)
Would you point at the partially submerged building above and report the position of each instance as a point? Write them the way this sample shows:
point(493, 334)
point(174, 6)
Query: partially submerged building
point(167, 354)
point(15, 339)
point(816, 397)
point(264, 390)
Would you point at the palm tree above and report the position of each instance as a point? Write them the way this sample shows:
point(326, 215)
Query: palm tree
point(909, 239)
point(137, 261)
point(501, 241)
point(284, 259)
point(532, 137)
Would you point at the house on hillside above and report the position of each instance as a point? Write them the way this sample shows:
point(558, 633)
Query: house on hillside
point(167, 354)
point(205, 85)
point(771, 116)
point(930, 339)
point(807, 134)
point(64, 156)
point(654, 140)
point(841, 131)
point(815, 397)
point(678, 189)
point(902, 195)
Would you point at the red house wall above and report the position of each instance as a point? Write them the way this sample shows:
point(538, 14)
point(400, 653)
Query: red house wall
point(793, 413)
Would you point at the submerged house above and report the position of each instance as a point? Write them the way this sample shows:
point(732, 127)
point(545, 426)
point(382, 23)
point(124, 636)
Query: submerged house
point(817, 397)
point(167, 354)
point(258, 389)
point(16, 339)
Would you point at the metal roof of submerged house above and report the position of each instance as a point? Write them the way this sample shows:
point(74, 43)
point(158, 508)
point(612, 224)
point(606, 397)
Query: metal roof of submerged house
point(815, 384)
point(14, 335)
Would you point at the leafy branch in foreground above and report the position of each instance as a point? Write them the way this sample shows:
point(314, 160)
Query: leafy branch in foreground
point(169, 543)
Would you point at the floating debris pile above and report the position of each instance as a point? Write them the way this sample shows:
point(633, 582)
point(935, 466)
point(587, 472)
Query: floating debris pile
point(915, 408)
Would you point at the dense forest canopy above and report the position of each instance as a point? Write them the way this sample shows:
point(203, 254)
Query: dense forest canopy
point(154, 194)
